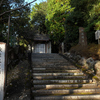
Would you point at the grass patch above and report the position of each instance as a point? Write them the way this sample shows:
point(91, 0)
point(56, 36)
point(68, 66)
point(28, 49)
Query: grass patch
point(96, 78)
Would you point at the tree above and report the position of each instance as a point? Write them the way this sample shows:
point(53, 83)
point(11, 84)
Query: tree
point(38, 16)
point(4, 6)
point(79, 17)
point(19, 12)
point(12, 2)
point(93, 21)
point(20, 23)
point(56, 13)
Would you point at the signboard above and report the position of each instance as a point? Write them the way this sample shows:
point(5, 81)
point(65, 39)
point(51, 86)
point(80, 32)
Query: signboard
point(97, 34)
point(2, 69)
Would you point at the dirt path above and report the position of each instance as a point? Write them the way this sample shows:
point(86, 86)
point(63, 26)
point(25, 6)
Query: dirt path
point(18, 82)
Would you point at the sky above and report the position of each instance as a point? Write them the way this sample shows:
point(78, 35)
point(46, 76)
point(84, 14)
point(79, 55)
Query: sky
point(37, 1)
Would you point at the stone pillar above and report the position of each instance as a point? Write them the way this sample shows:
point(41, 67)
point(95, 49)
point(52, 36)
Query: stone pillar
point(2, 69)
point(82, 37)
point(46, 47)
point(62, 47)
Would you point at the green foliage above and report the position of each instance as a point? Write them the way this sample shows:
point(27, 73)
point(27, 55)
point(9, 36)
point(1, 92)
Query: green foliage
point(71, 30)
point(3, 19)
point(61, 19)
point(38, 16)
point(19, 22)
point(94, 16)
point(56, 13)
point(20, 26)
point(93, 21)
point(83, 15)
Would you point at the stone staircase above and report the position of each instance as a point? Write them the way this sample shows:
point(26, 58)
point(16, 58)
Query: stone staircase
point(55, 78)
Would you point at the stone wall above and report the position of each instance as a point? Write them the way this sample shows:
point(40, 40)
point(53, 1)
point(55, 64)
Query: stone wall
point(90, 65)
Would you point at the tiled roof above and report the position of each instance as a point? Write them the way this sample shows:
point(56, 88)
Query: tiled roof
point(41, 37)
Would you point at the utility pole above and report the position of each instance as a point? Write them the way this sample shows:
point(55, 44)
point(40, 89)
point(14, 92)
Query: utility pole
point(8, 31)
point(8, 38)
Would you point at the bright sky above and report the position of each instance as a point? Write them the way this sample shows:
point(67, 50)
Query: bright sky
point(37, 1)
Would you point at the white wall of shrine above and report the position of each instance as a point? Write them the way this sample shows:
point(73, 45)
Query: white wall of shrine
point(42, 47)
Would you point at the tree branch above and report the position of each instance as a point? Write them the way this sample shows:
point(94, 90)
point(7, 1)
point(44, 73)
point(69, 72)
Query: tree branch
point(16, 8)
point(1, 2)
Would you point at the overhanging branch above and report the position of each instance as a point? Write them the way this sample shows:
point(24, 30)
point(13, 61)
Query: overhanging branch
point(1, 2)
point(16, 8)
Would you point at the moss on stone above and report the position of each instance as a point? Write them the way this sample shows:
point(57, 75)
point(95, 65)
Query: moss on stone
point(96, 78)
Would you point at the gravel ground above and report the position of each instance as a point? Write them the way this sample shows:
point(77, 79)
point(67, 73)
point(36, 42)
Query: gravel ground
point(19, 82)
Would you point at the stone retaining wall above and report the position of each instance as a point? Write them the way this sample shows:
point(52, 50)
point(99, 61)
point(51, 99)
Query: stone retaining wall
point(89, 65)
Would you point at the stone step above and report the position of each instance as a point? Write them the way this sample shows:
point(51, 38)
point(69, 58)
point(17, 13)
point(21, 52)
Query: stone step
point(61, 81)
point(58, 74)
point(51, 60)
point(69, 97)
point(47, 57)
point(55, 78)
point(51, 64)
point(41, 63)
point(45, 54)
point(65, 86)
point(66, 91)
point(53, 67)
point(59, 77)
point(56, 71)
point(62, 63)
